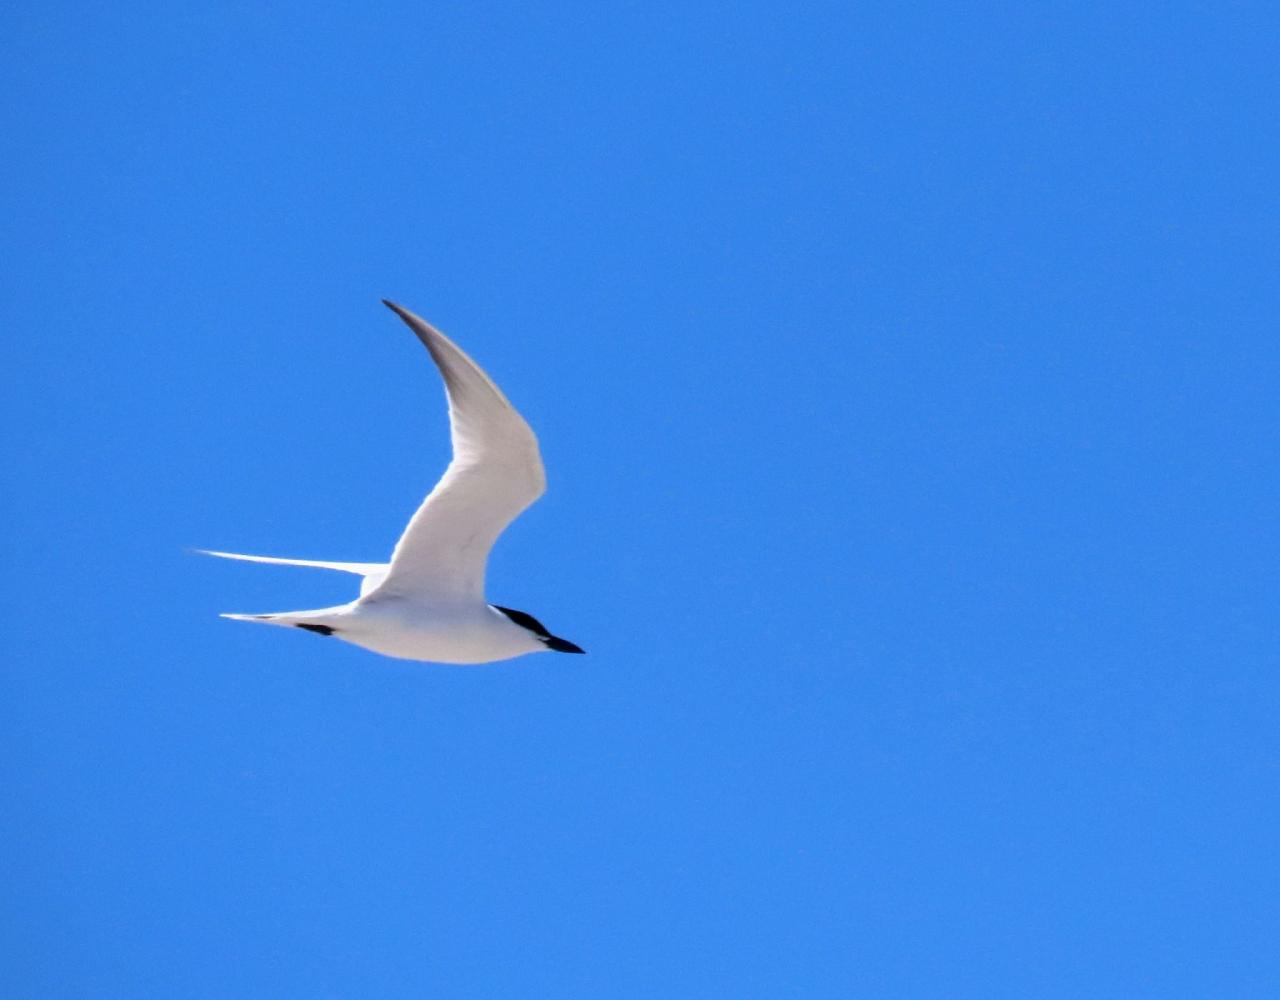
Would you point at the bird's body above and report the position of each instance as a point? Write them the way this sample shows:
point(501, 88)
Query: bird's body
point(428, 602)
point(460, 632)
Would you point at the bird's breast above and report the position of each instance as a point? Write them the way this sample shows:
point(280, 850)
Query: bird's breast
point(441, 634)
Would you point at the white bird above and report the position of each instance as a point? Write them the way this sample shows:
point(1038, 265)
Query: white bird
point(428, 602)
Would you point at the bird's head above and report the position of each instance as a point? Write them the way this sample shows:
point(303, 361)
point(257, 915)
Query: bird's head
point(529, 623)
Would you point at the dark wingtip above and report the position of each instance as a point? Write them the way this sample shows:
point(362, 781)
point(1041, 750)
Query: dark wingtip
point(413, 322)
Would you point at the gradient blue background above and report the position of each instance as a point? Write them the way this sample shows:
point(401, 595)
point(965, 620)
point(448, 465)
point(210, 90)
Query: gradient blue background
point(906, 377)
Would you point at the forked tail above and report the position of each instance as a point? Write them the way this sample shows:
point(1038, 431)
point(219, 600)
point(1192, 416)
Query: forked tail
point(322, 622)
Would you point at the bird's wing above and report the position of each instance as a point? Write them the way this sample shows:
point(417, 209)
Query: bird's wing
point(372, 572)
point(496, 472)
point(360, 569)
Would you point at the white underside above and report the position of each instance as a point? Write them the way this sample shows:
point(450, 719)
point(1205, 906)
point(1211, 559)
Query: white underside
point(427, 602)
point(409, 630)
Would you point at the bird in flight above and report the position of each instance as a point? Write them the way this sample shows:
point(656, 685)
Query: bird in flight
point(428, 602)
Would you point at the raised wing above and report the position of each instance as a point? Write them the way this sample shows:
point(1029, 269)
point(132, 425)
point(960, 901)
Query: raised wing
point(496, 473)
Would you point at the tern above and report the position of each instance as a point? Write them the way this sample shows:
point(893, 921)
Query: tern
point(428, 602)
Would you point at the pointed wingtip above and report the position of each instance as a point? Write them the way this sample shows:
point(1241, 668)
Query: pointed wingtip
point(415, 322)
point(425, 332)
point(213, 552)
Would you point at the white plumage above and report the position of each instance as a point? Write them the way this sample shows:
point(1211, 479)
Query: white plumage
point(428, 602)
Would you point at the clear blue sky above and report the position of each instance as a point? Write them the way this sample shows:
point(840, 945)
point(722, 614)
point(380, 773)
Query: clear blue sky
point(907, 380)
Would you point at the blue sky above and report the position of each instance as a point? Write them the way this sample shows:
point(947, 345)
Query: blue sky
point(906, 377)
